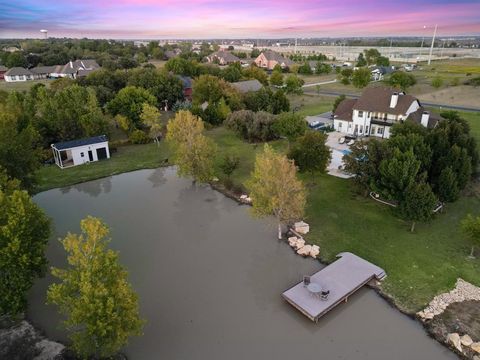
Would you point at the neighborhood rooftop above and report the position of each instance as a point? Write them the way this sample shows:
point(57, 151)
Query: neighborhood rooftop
point(247, 85)
point(80, 142)
point(377, 99)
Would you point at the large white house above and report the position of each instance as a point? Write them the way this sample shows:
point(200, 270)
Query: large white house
point(18, 74)
point(77, 152)
point(377, 109)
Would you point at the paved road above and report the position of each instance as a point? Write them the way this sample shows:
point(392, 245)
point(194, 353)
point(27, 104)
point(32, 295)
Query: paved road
point(355, 96)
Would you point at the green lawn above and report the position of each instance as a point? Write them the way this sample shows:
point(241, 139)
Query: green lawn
point(419, 265)
point(127, 158)
point(22, 85)
point(311, 104)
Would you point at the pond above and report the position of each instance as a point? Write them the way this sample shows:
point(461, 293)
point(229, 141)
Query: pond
point(210, 277)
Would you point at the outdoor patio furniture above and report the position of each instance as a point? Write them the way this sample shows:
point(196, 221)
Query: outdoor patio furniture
point(341, 140)
point(306, 280)
point(324, 294)
point(314, 289)
point(351, 142)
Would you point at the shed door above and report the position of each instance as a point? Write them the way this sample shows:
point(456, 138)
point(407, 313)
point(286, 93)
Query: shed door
point(102, 153)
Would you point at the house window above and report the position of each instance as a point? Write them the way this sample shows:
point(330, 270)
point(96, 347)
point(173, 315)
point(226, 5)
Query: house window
point(82, 154)
point(349, 125)
point(340, 125)
point(360, 114)
point(380, 130)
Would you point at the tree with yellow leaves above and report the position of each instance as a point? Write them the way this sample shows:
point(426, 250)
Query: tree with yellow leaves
point(150, 116)
point(275, 189)
point(193, 152)
point(100, 305)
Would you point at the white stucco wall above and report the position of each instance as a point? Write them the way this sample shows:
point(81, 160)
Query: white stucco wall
point(77, 153)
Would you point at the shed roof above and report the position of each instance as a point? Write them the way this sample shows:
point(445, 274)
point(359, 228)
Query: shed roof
point(80, 142)
point(247, 85)
point(15, 71)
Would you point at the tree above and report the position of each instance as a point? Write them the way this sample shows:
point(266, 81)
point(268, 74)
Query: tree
point(129, 103)
point(255, 53)
point(418, 203)
point(371, 55)
point(254, 72)
point(16, 59)
point(402, 80)
point(193, 151)
point(361, 60)
point(447, 187)
point(24, 233)
point(232, 73)
point(279, 103)
point(361, 77)
point(383, 61)
point(275, 189)
point(345, 76)
point(293, 84)
point(397, 173)
point(291, 126)
point(305, 69)
point(276, 78)
point(310, 152)
point(229, 165)
point(470, 227)
point(100, 306)
point(322, 68)
point(337, 102)
point(150, 116)
point(252, 126)
point(19, 152)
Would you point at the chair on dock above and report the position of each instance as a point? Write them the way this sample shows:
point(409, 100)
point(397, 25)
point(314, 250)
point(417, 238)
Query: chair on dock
point(306, 280)
point(324, 295)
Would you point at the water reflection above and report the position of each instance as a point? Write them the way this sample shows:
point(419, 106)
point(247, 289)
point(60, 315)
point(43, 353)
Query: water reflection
point(209, 279)
point(92, 188)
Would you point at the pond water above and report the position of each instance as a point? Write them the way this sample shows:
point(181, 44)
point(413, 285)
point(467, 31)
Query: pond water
point(209, 278)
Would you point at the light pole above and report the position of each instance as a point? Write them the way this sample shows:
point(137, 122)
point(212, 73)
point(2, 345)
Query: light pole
point(423, 40)
point(431, 47)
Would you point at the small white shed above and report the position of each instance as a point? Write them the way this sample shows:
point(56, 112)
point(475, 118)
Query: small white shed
point(77, 152)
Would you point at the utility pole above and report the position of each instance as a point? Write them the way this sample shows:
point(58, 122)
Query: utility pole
point(431, 47)
point(295, 45)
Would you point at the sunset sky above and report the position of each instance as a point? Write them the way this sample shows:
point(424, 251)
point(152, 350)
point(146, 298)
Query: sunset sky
point(236, 19)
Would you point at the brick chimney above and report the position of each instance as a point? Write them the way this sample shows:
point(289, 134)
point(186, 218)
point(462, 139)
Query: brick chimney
point(394, 100)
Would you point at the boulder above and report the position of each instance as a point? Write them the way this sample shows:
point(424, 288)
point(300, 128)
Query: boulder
point(300, 244)
point(301, 227)
point(292, 240)
point(243, 197)
point(475, 347)
point(454, 339)
point(305, 250)
point(466, 340)
point(315, 251)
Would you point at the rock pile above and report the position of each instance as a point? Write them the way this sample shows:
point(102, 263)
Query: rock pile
point(298, 244)
point(458, 341)
point(245, 199)
point(463, 291)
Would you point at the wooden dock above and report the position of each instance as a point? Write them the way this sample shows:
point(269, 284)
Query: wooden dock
point(341, 278)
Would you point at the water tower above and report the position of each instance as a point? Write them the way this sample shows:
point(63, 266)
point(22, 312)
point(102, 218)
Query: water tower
point(45, 33)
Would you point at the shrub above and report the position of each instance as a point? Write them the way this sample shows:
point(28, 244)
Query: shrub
point(437, 82)
point(252, 126)
point(138, 137)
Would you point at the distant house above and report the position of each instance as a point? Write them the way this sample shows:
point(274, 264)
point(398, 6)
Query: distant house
point(187, 87)
point(18, 74)
point(3, 70)
point(170, 54)
point(42, 72)
point(11, 49)
point(74, 69)
point(222, 57)
point(268, 59)
point(77, 152)
point(247, 86)
point(377, 110)
point(378, 72)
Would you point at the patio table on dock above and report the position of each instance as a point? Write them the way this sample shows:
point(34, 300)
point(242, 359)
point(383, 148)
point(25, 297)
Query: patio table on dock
point(341, 278)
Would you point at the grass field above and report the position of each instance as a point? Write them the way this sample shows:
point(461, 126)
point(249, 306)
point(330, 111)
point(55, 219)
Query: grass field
point(419, 265)
point(22, 85)
point(311, 104)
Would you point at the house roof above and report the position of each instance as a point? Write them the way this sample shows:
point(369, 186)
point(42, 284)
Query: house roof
point(274, 56)
point(344, 110)
point(43, 69)
point(73, 66)
point(225, 55)
point(248, 85)
point(3, 68)
point(377, 99)
point(16, 71)
point(433, 119)
point(80, 142)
